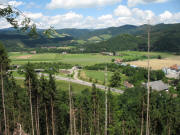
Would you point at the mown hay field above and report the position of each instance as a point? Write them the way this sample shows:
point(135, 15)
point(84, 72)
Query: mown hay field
point(156, 64)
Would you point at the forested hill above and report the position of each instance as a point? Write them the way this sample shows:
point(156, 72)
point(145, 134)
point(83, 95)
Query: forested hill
point(85, 34)
point(118, 43)
point(15, 40)
point(164, 37)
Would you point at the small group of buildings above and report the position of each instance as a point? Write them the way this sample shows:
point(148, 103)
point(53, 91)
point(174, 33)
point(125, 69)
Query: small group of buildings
point(172, 72)
point(107, 53)
point(120, 62)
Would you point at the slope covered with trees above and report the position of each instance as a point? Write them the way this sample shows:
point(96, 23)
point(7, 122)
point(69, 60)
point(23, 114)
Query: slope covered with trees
point(40, 107)
point(118, 43)
point(107, 37)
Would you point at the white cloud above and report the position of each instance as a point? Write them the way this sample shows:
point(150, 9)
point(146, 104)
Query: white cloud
point(15, 3)
point(122, 11)
point(168, 17)
point(132, 3)
point(34, 15)
point(122, 15)
point(4, 24)
point(165, 16)
point(105, 17)
point(3, 1)
point(79, 3)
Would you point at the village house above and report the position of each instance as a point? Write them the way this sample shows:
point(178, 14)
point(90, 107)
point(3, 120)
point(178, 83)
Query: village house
point(118, 61)
point(128, 85)
point(172, 72)
point(64, 52)
point(175, 67)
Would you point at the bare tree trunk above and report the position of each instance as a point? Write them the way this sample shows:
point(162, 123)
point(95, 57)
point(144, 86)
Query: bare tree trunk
point(70, 110)
point(98, 129)
point(13, 116)
point(0, 128)
point(52, 116)
point(3, 100)
point(81, 121)
point(7, 119)
point(36, 120)
point(142, 118)
point(94, 115)
point(30, 101)
point(106, 107)
point(148, 86)
point(74, 115)
point(47, 128)
point(123, 128)
point(169, 130)
point(38, 116)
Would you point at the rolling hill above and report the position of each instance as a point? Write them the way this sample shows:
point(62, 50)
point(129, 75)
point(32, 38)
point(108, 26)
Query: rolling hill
point(164, 37)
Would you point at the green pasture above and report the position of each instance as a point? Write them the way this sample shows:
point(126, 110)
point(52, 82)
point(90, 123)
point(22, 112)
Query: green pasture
point(63, 85)
point(97, 75)
point(74, 59)
point(80, 59)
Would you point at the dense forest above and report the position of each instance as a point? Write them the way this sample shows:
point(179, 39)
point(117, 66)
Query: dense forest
point(40, 108)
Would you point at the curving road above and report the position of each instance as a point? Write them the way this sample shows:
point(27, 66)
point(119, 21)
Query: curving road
point(76, 80)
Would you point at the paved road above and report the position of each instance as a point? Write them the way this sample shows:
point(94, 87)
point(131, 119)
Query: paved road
point(80, 82)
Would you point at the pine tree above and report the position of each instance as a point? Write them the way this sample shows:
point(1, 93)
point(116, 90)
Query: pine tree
point(4, 63)
point(29, 76)
point(45, 100)
point(52, 88)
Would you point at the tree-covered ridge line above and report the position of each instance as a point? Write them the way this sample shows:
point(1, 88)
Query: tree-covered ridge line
point(164, 37)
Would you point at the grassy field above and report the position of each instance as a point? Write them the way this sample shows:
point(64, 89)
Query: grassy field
point(80, 59)
point(99, 76)
point(93, 75)
point(63, 85)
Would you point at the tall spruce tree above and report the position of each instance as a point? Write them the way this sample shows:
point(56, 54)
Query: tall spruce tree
point(4, 64)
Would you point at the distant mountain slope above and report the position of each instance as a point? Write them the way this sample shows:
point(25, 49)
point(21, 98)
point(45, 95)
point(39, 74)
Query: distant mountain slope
point(164, 37)
point(99, 37)
point(15, 40)
point(85, 34)
point(118, 43)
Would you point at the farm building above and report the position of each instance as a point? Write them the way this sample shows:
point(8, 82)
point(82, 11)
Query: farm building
point(39, 70)
point(32, 52)
point(158, 85)
point(172, 72)
point(107, 53)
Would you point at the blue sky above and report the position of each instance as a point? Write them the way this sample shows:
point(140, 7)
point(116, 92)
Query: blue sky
point(96, 13)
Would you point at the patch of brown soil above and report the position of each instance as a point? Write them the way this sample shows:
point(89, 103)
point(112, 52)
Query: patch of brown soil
point(24, 57)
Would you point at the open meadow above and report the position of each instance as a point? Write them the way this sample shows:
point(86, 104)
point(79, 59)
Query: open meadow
point(81, 59)
point(74, 59)
point(63, 85)
point(92, 75)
